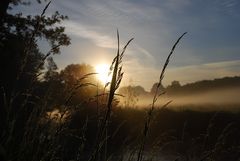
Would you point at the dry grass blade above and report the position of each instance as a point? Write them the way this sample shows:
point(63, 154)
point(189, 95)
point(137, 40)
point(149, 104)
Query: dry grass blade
point(76, 87)
point(85, 76)
point(46, 56)
point(117, 75)
point(30, 43)
point(4, 99)
point(155, 97)
point(168, 58)
point(125, 47)
point(83, 139)
point(44, 10)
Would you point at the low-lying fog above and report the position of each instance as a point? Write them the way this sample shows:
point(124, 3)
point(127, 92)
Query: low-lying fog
point(226, 99)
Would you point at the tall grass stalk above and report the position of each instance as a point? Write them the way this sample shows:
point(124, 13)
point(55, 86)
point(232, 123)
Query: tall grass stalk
point(155, 98)
point(117, 75)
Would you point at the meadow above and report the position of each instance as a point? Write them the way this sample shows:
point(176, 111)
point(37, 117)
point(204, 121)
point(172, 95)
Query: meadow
point(67, 115)
point(77, 119)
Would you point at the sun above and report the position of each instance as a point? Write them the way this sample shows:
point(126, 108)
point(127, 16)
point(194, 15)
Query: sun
point(102, 73)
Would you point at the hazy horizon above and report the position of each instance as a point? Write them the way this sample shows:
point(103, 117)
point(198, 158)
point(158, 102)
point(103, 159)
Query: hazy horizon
point(212, 100)
point(120, 80)
point(209, 50)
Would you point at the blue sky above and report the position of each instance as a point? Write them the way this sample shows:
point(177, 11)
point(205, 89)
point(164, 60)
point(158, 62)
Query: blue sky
point(211, 49)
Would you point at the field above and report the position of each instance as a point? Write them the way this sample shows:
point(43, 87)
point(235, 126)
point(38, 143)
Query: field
point(174, 134)
point(83, 113)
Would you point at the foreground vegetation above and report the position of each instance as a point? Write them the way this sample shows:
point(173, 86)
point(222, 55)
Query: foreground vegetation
point(48, 115)
point(184, 134)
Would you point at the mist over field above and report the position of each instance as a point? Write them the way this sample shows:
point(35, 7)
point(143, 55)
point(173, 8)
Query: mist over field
point(74, 74)
point(215, 98)
point(218, 94)
point(218, 97)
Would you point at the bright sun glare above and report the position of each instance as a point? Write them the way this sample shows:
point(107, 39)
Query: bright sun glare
point(102, 70)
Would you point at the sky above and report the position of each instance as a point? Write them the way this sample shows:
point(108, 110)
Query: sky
point(211, 48)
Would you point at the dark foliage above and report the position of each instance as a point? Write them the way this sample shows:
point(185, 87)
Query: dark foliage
point(49, 115)
point(21, 66)
point(204, 86)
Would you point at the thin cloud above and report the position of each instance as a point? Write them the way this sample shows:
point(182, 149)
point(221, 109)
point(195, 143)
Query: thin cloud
point(224, 64)
point(177, 4)
point(213, 28)
point(144, 51)
point(213, 70)
point(229, 3)
point(146, 76)
point(229, 7)
point(79, 30)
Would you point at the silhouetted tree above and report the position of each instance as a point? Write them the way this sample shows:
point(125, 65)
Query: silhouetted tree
point(175, 84)
point(203, 86)
point(82, 88)
point(51, 73)
point(131, 94)
point(21, 65)
point(21, 59)
point(6, 3)
point(154, 88)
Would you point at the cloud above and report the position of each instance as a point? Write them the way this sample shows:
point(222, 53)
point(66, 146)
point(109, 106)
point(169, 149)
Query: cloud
point(155, 24)
point(177, 4)
point(144, 51)
point(213, 70)
point(103, 40)
point(100, 39)
point(223, 64)
point(228, 3)
point(228, 7)
point(146, 76)
point(138, 73)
